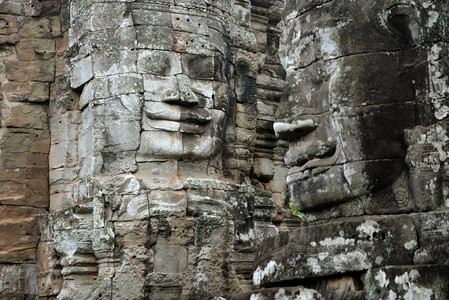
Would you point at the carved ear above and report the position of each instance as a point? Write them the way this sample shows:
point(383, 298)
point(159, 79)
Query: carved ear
point(403, 23)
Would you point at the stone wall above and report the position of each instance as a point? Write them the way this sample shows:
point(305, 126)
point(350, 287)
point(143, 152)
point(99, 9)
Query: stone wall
point(31, 42)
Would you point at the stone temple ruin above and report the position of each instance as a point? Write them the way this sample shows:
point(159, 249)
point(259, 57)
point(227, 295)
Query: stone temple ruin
point(224, 149)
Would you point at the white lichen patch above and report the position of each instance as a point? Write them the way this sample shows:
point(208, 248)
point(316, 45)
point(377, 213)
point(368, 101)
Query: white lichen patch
point(413, 290)
point(410, 245)
point(379, 260)
point(329, 47)
point(382, 279)
point(313, 263)
point(439, 85)
point(323, 255)
point(367, 229)
point(338, 241)
point(246, 237)
point(349, 172)
point(351, 261)
point(256, 297)
point(260, 274)
point(392, 295)
point(280, 295)
point(433, 18)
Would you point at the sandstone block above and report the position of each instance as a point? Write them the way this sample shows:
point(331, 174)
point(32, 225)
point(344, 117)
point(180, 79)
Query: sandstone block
point(32, 49)
point(122, 282)
point(155, 145)
point(9, 24)
point(116, 85)
point(11, 7)
point(159, 175)
point(144, 15)
point(18, 281)
point(32, 143)
point(130, 207)
point(26, 91)
point(189, 23)
point(109, 15)
point(113, 39)
point(191, 43)
point(158, 62)
point(170, 259)
point(81, 72)
point(154, 37)
point(166, 203)
point(112, 63)
point(36, 28)
point(28, 116)
point(42, 71)
point(433, 229)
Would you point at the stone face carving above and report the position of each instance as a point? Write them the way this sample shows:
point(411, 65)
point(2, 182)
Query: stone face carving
point(357, 78)
point(163, 175)
point(366, 116)
point(182, 117)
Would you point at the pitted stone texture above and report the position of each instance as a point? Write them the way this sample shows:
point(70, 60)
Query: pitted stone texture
point(336, 247)
point(432, 229)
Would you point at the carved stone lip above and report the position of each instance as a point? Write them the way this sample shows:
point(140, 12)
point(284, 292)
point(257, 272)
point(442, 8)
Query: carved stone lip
point(311, 168)
point(184, 115)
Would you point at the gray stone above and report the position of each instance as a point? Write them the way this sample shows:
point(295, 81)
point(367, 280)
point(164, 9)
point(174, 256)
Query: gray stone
point(336, 247)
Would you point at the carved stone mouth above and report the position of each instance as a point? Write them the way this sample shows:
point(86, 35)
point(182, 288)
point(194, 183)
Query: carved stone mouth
point(295, 174)
point(198, 116)
point(193, 127)
point(177, 119)
point(311, 168)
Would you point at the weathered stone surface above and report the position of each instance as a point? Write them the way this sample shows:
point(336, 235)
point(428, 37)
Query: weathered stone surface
point(26, 91)
point(30, 71)
point(18, 281)
point(360, 111)
point(367, 146)
point(407, 282)
point(432, 230)
point(19, 234)
point(289, 293)
point(336, 247)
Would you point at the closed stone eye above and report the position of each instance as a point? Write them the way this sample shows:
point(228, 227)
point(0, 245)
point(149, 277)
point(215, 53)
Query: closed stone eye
point(402, 21)
point(399, 25)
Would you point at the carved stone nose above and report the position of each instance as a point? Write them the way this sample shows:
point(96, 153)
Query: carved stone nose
point(186, 95)
point(295, 129)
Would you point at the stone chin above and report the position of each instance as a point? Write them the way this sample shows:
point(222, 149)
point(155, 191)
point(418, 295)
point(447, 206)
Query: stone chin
point(319, 188)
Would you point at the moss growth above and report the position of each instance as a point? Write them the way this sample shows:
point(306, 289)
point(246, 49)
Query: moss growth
point(294, 210)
